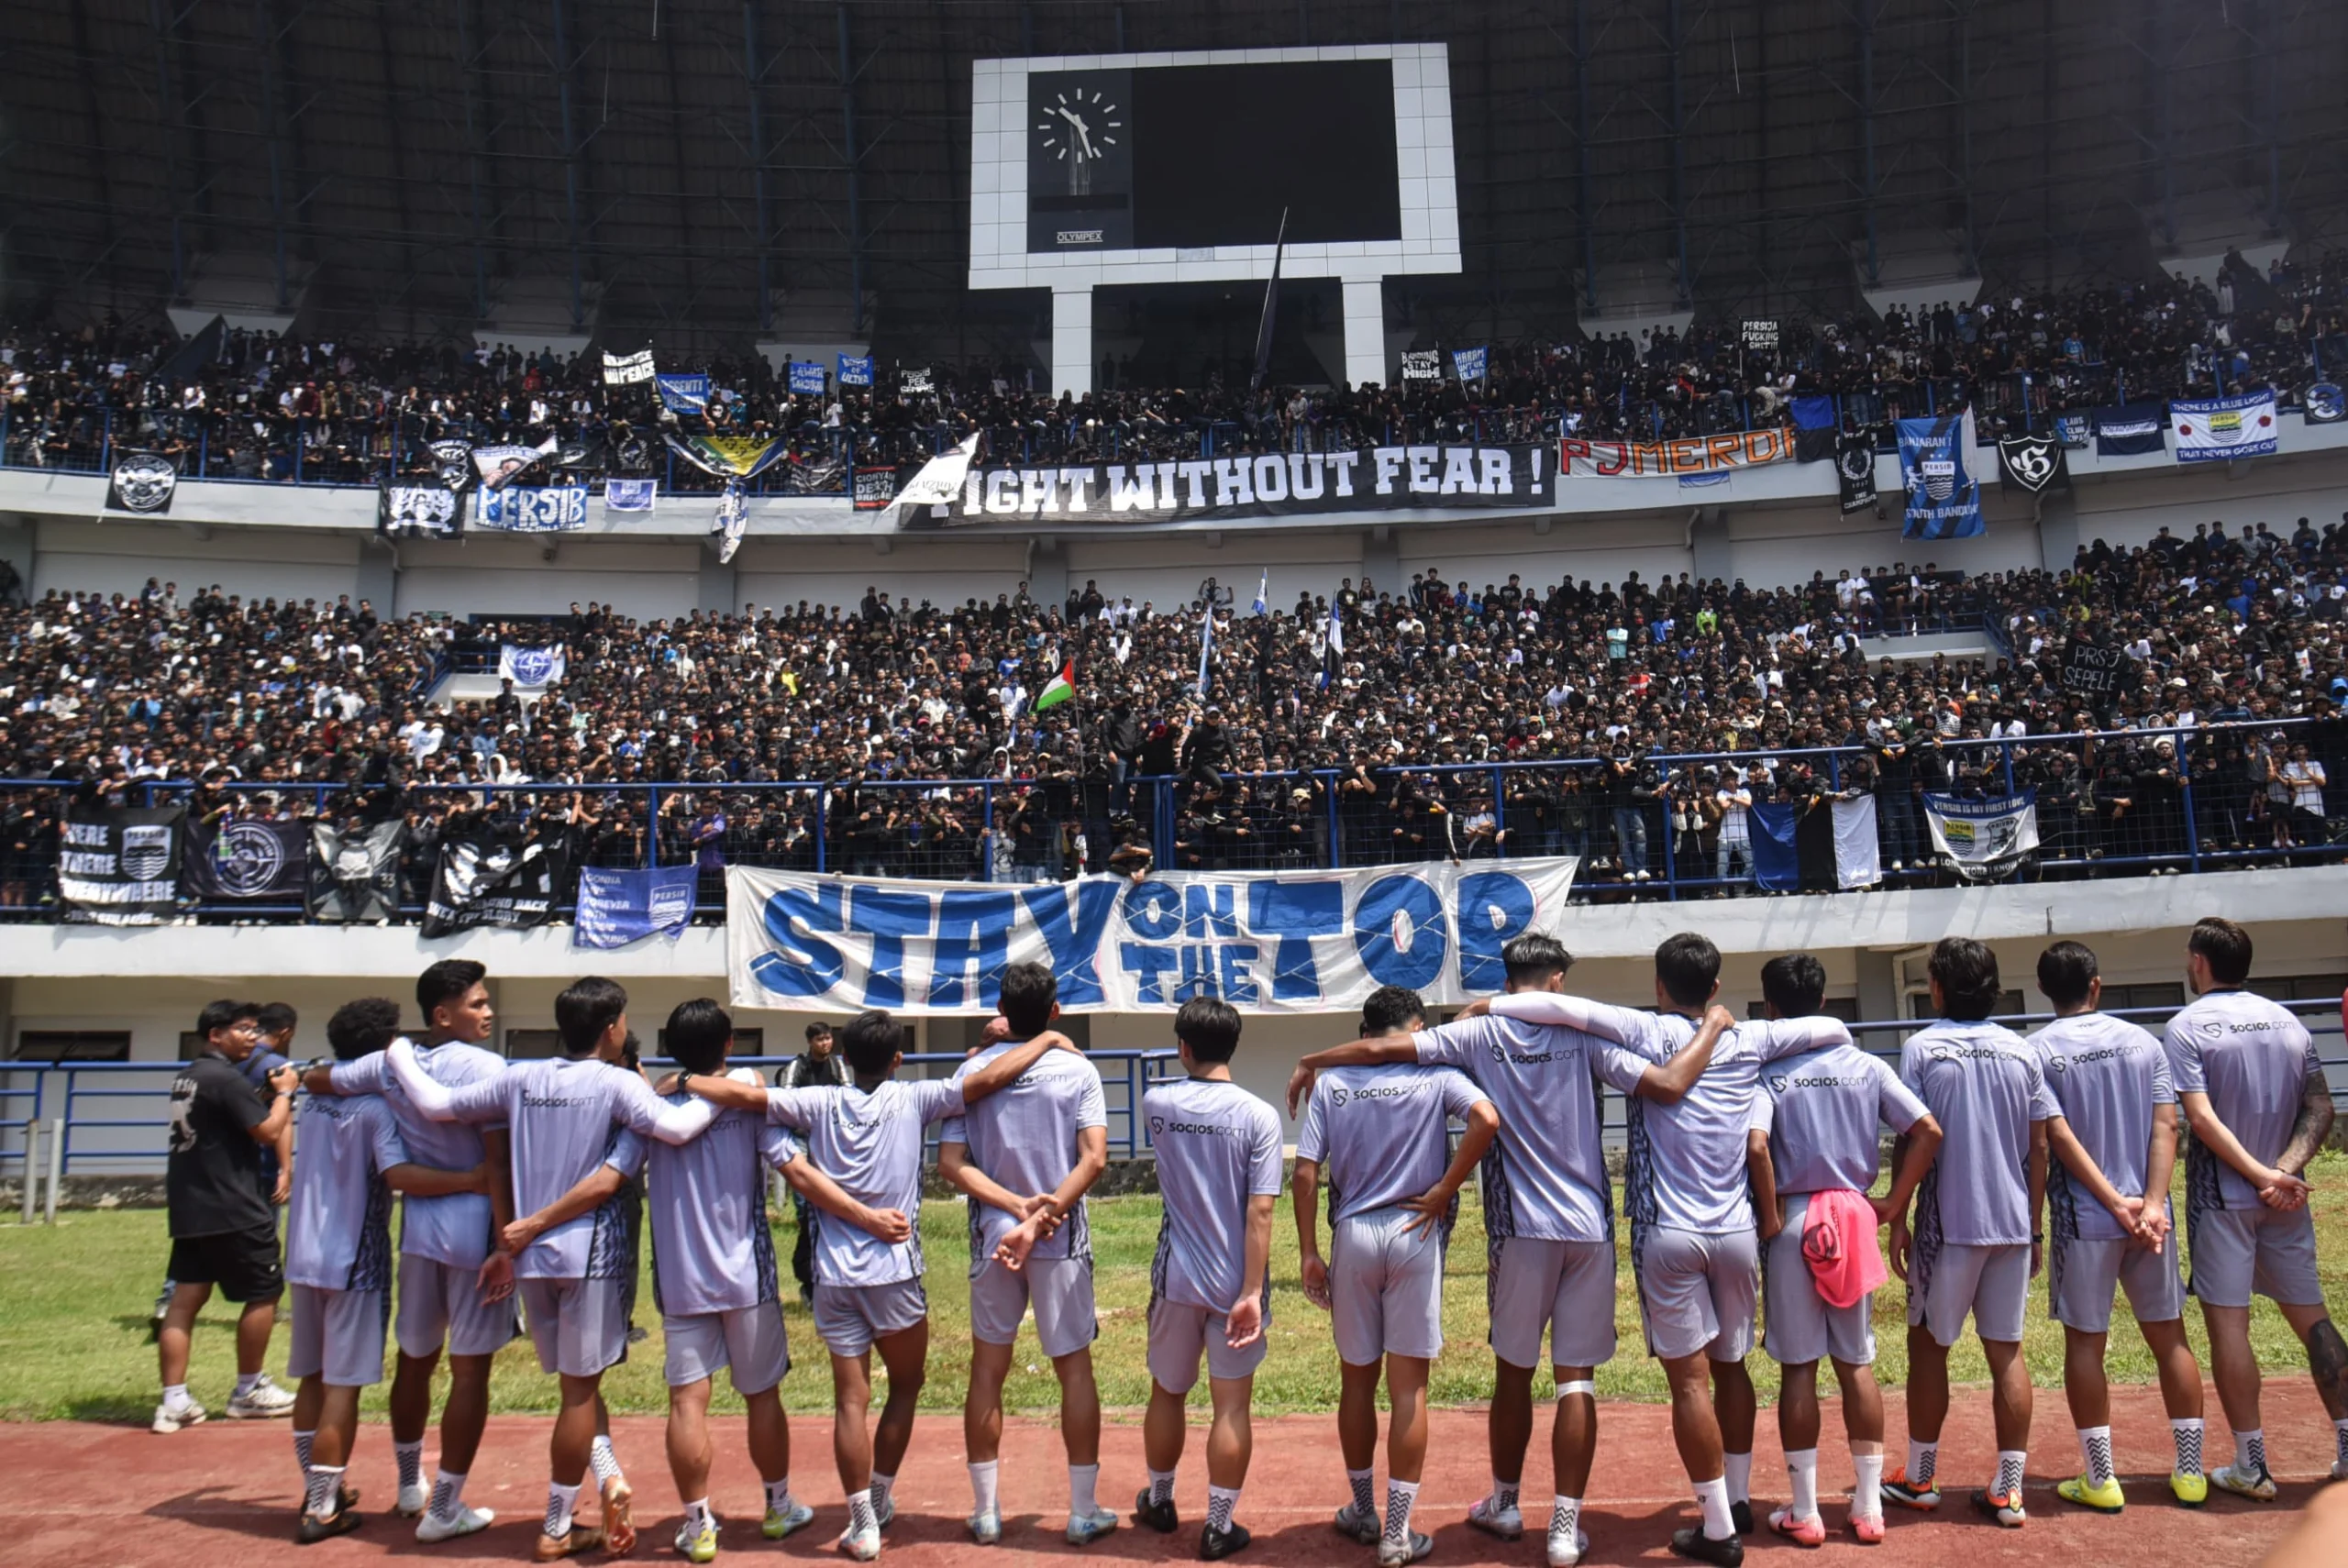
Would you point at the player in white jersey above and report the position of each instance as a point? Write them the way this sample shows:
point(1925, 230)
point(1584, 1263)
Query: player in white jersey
point(1549, 1216)
point(563, 1115)
point(2256, 1097)
point(1687, 1190)
point(713, 1272)
point(867, 1136)
point(338, 1263)
point(455, 1287)
point(2112, 1081)
point(1032, 1152)
point(1973, 1244)
point(1381, 1135)
point(1210, 1285)
point(1813, 1148)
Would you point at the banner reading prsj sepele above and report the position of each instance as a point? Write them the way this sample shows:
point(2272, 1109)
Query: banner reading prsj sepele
point(1265, 942)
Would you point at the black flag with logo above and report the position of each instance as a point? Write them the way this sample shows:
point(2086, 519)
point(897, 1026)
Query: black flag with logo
point(484, 878)
point(248, 861)
point(1854, 471)
point(142, 482)
point(120, 865)
point(2035, 463)
point(354, 873)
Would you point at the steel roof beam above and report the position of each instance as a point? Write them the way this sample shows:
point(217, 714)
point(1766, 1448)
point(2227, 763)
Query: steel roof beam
point(573, 174)
point(851, 159)
point(754, 71)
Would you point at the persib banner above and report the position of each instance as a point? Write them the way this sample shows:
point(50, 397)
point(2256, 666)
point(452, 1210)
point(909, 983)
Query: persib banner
point(1943, 501)
point(1983, 839)
point(2218, 429)
point(616, 908)
point(532, 509)
point(1275, 484)
point(1581, 458)
point(1269, 941)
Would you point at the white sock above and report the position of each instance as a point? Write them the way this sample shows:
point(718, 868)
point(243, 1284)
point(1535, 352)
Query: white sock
point(983, 1486)
point(560, 1499)
point(779, 1495)
point(175, 1396)
point(1083, 1485)
point(860, 1516)
point(1161, 1487)
point(698, 1516)
point(1712, 1497)
point(605, 1461)
point(2011, 1463)
point(1221, 1503)
point(245, 1383)
point(1565, 1518)
point(301, 1441)
point(448, 1494)
point(1737, 1471)
point(1503, 1494)
point(410, 1456)
point(1801, 1469)
point(883, 1487)
point(1400, 1497)
point(2095, 1448)
point(1923, 1462)
point(2187, 1434)
point(1866, 1493)
point(325, 1491)
point(2250, 1450)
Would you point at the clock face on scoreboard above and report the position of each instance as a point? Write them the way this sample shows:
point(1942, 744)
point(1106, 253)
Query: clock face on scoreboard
point(1080, 161)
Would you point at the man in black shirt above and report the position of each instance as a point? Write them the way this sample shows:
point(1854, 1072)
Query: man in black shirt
point(223, 1232)
point(817, 1067)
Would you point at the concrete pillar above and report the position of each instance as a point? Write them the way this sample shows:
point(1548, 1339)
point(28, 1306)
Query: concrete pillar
point(1072, 341)
point(716, 589)
point(378, 580)
point(2058, 529)
point(1381, 562)
point(1710, 552)
point(1365, 332)
point(1878, 991)
point(20, 538)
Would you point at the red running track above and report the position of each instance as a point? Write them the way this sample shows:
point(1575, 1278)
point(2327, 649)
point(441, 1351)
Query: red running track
point(225, 1493)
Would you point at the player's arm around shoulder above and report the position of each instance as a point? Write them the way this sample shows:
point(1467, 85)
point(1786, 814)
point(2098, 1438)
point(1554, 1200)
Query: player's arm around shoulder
point(1670, 1083)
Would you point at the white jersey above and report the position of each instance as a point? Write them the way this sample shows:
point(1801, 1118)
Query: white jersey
point(1218, 1146)
point(2252, 1059)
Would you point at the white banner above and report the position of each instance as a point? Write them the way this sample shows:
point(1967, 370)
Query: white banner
point(533, 667)
point(630, 494)
point(1984, 839)
point(1297, 941)
point(536, 509)
point(2215, 429)
point(624, 370)
point(1858, 862)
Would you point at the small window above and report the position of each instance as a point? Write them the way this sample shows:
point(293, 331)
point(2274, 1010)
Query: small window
point(75, 1045)
point(532, 1044)
point(2300, 987)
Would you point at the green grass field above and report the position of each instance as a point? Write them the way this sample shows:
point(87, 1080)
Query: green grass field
point(74, 1300)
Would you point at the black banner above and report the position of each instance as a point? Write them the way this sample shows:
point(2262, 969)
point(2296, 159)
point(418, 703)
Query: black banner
point(452, 463)
point(1760, 335)
point(2035, 463)
point(427, 509)
point(1434, 478)
point(914, 381)
point(1854, 471)
point(2094, 671)
point(482, 879)
point(1421, 365)
point(876, 487)
point(120, 865)
point(142, 482)
point(246, 860)
point(355, 877)
point(2129, 430)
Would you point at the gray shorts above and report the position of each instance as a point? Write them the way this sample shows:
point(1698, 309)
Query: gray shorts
point(1697, 1292)
point(439, 1303)
point(750, 1341)
point(1060, 1290)
point(338, 1335)
point(579, 1326)
point(1385, 1287)
point(1531, 1283)
point(1948, 1279)
point(848, 1317)
point(1180, 1333)
point(2082, 1274)
point(1801, 1326)
point(2239, 1251)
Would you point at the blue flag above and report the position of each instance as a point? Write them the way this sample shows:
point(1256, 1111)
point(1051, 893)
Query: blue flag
point(855, 371)
point(807, 377)
point(1776, 864)
point(1206, 647)
point(616, 908)
point(684, 394)
point(1943, 501)
point(1260, 588)
point(1470, 364)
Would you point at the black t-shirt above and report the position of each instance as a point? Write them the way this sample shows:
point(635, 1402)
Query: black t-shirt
point(213, 1180)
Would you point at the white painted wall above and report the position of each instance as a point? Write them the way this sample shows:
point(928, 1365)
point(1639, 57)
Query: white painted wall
point(118, 558)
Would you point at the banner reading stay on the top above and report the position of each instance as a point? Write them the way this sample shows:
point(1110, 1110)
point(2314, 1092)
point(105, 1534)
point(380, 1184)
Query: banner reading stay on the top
point(1275, 484)
point(1581, 458)
point(1264, 941)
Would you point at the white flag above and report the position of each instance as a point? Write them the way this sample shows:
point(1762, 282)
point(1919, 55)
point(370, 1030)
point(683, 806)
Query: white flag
point(940, 479)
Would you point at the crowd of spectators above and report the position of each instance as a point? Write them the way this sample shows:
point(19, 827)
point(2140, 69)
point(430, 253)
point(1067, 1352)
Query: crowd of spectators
point(266, 407)
point(1669, 707)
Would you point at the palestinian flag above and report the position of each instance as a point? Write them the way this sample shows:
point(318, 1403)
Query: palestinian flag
point(1061, 688)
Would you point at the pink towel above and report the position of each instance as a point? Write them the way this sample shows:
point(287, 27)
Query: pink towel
point(1838, 1242)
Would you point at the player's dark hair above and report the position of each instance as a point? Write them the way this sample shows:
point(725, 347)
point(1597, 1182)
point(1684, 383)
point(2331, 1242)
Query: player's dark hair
point(446, 981)
point(222, 1015)
point(1390, 1007)
point(818, 1029)
point(586, 1008)
point(1210, 1027)
point(697, 1035)
point(1689, 968)
point(632, 1052)
point(2064, 972)
point(2225, 945)
point(278, 1019)
point(1029, 994)
point(1793, 984)
point(1968, 973)
point(362, 1027)
point(871, 1043)
point(1534, 957)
